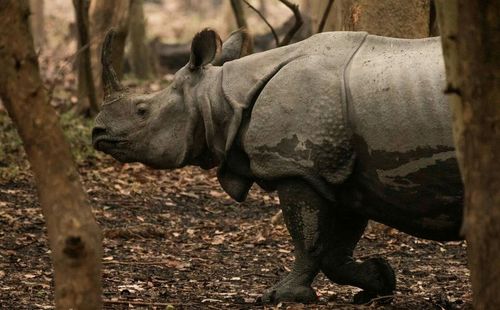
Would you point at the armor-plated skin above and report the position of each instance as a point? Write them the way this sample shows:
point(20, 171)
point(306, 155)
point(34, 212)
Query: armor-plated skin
point(401, 124)
point(345, 126)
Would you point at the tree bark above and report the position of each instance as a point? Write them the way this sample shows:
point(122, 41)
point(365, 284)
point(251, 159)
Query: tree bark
point(140, 60)
point(86, 89)
point(306, 6)
point(74, 237)
point(37, 22)
point(104, 15)
point(470, 44)
point(392, 18)
point(239, 13)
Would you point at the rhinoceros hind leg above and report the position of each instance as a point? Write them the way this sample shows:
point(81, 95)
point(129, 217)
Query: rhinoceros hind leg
point(375, 276)
point(303, 210)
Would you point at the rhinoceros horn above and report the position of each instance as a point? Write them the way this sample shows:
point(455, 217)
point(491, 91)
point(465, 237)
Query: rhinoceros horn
point(111, 83)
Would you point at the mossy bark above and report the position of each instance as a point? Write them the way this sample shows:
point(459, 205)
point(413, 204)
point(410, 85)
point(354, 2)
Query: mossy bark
point(74, 237)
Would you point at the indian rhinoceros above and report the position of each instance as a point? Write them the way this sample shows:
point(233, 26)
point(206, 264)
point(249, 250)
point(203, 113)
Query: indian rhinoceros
point(345, 126)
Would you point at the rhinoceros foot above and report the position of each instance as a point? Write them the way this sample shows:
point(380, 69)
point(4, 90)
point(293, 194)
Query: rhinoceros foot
point(289, 293)
point(375, 276)
point(379, 287)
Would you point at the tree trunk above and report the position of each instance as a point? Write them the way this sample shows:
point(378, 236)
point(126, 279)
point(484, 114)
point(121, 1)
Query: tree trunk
point(37, 22)
point(470, 44)
point(74, 237)
point(239, 13)
point(306, 6)
point(86, 89)
point(104, 15)
point(392, 18)
point(140, 60)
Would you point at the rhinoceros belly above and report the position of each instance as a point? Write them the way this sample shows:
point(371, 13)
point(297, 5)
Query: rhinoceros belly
point(401, 122)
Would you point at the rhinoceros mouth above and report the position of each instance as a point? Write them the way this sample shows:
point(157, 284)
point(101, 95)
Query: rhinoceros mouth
point(104, 143)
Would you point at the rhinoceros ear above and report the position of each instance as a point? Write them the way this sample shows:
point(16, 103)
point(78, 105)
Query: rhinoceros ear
point(236, 46)
point(206, 47)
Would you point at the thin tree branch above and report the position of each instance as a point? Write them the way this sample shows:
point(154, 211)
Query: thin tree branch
point(275, 35)
point(321, 25)
point(385, 297)
point(298, 22)
point(145, 303)
point(239, 14)
point(82, 22)
point(66, 61)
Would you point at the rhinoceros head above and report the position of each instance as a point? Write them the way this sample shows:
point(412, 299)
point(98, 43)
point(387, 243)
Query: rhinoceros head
point(164, 129)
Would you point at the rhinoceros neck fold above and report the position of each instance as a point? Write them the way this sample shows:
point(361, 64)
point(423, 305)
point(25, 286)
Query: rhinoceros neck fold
point(222, 115)
point(216, 113)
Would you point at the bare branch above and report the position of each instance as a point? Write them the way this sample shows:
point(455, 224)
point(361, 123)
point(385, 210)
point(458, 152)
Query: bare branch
point(65, 63)
point(275, 35)
point(298, 22)
point(239, 14)
point(146, 303)
point(321, 25)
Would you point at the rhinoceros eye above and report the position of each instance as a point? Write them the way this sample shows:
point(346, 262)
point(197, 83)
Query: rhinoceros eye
point(141, 109)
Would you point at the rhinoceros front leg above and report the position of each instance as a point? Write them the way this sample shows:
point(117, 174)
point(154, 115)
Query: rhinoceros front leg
point(302, 208)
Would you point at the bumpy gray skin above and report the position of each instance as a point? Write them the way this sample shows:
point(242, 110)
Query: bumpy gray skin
point(345, 126)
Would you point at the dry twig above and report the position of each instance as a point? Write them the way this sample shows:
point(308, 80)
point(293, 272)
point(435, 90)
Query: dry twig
point(321, 25)
point(65, 63)
point(380, 298)
point(115, 262)
point(275, 35)
point(298, 22)
point(144, 303)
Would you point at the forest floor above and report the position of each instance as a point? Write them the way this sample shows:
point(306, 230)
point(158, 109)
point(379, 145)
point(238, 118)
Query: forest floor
point(175, 240)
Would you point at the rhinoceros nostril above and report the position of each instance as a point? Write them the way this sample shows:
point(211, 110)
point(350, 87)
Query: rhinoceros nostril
point(98, 131)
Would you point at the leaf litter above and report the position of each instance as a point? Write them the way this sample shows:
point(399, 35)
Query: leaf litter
point(175, 238)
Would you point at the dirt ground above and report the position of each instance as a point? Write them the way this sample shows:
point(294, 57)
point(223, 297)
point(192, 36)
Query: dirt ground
point(174, 240)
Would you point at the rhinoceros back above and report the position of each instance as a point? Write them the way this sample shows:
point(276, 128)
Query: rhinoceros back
point(402, 132)
point(396, 99)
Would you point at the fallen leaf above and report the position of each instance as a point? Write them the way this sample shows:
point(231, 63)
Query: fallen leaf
point(218, 239)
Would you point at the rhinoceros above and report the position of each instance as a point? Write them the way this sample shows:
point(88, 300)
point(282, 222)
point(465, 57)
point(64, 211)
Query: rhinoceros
point(345, 126)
